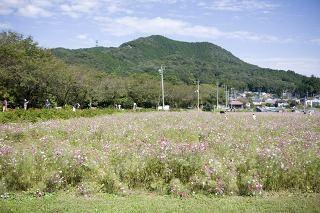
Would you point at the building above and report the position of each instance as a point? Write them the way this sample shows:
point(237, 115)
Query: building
point(271, 102)
point(257, 102)
point(313, 102)
point(235, 104)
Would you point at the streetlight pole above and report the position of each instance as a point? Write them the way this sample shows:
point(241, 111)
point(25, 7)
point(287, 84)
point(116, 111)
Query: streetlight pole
point(161, 70)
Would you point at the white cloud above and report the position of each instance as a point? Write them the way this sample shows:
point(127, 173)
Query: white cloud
point(238, 5)
point(33, 11)
point(244, 35)
point(8, 6)
point(5, 25)
point(129, 25)
point(117, 7)
point(46, 8)
point(27, 8)
point(76, 8)
point(305, 66)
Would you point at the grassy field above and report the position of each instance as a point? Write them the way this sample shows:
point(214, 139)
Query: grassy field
point(162, 161)
point(68, 202)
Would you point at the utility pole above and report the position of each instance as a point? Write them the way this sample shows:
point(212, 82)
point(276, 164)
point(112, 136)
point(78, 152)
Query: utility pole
point(198, 91)
point(227, 98)
point(217, 94)
point(305, 104)
point(226, 92)
point(161, 70)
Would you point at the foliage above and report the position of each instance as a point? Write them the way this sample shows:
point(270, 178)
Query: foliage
point(32, 73)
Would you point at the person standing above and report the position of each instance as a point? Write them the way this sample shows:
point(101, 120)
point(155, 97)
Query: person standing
point(254, 117)
point(75, 107)
point(25, 104)
point(47, 104)
point(5, 105)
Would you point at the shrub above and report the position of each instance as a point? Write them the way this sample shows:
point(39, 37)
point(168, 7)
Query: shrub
point(55, 182)
point(178, 189)
point(110, 183)
point(19, 175)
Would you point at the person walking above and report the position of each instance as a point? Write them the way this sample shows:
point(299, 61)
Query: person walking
point(5, 105)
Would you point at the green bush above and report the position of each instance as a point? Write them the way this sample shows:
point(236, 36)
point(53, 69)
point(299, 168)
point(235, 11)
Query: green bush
point(19, 176)
point(34, 115)
point(110, 183)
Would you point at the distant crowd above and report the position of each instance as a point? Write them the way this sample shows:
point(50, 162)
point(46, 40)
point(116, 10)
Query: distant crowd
point(47, 105)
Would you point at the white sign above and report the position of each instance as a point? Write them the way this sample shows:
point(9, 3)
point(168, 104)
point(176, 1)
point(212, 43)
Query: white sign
point(166, 108)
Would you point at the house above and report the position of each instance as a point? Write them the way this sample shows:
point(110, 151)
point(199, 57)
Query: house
point(297, 101)
point(270, 101)
point(282, 103)
point(257, 102)
point(312, 102)
point(315, 102)
point(235, 104)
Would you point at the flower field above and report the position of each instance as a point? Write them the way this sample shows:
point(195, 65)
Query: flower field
point(178, 153)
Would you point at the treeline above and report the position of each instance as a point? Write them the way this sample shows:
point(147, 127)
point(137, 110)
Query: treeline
point(33, 73)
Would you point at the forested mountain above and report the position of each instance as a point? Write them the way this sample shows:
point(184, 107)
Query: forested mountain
point(129, 73)
point(186, 62)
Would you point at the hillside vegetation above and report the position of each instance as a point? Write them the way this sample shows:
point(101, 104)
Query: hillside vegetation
point(187, 62)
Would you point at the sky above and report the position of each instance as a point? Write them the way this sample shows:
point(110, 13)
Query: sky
point(279, 34)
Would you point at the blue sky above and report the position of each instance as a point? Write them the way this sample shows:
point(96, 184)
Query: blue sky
point(276, 34)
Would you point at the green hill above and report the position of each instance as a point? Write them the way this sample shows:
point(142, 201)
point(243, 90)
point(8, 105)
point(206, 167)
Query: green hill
point(185, 62)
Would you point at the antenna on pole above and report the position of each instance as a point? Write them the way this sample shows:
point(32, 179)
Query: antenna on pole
point(161, 70)
point(97, 43)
